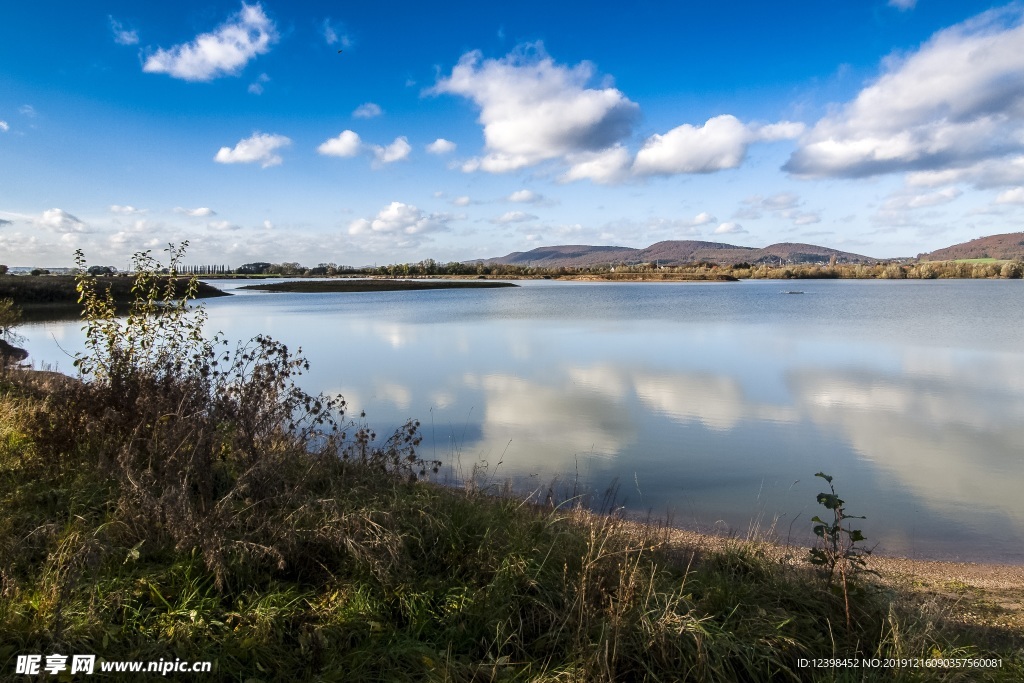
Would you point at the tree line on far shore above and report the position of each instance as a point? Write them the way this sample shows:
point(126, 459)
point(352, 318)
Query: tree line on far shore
point(922, 270)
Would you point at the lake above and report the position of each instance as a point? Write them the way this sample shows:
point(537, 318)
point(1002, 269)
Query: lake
point(709, 404)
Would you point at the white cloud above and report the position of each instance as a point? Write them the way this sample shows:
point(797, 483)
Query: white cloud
point(201, 212)
point(256, 87)
point(702, 218)
point(126, 210)
point(367, 110)
point(27, 110)
point(123, 36)
point(720, 144)
point(396, 151)
point(524, 197)
point(260, 147)
point(920, 201)
point(347, 144)
point(223, 52)
point(533, 109)
point(223, 226)
point(441, 146)
point(4, 127)
point(462, 201)
point(514, 217)
point(608, 166)
point(955, 102)
point(333, 33)
point(59, 220)
point(781, 130)
point(729, 229)
point(1011, 196)
point(990, 173)
point(399, 218)
point(902, 5)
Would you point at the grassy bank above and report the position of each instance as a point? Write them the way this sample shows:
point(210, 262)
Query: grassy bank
point(57, 291)
point(187, 500)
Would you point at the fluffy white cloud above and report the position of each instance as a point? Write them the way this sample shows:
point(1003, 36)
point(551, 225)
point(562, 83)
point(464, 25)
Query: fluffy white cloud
point(702, 218)
point(201, 212)
point(533, 109)
point(223, 52)
point(608, 166)
point(720, 144)
point(347, 144)
point(223, 226)
point(729, 229)
point(261, 147)
point(367, 110)
point(59, 220)
point(987, 174)
point(1012, 196)
point(123, 36)
point(126, 210)
point(441, 146)
point(396, 151)
point(514, 217)
point(399, 218)
point(524, 197)
point(462, 201)
point(4, 127)
point(955, 102)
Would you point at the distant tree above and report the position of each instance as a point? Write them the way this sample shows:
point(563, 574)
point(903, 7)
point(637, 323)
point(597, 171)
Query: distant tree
point(10, 316)
point(256, 268)
point(101, 270)
point(3, 269)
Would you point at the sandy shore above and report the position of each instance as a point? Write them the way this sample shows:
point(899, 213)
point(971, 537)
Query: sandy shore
point(981, 594)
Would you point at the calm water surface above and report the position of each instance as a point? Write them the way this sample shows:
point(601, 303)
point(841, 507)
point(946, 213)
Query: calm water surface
point(710, 403)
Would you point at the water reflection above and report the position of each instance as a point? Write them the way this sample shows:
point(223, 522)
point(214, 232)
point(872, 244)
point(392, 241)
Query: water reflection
point(550, 424)
point(718, 403)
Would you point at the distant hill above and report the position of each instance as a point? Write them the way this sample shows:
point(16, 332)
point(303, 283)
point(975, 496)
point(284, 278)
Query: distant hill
point(675, 252)
point(1008, 246)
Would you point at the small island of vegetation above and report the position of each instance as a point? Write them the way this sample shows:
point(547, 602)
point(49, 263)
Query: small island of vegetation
point(374, 285)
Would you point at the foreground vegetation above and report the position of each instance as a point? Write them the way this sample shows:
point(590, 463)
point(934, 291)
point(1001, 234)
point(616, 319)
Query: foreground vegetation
point(186, 500)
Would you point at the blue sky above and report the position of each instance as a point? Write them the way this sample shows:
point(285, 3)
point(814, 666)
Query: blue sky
point(883, 127)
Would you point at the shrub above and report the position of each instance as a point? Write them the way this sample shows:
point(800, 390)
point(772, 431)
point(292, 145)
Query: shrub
point(212, 450)
point(838, 547)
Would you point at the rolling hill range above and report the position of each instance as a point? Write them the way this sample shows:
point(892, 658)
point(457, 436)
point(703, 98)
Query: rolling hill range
point(675, 252)
point(1007, 246)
